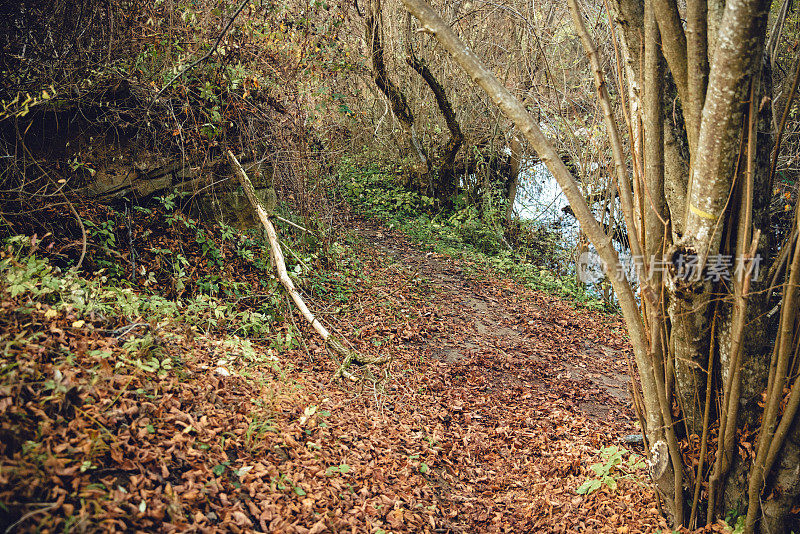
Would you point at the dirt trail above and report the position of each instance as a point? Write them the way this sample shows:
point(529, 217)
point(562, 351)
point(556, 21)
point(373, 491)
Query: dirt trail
point(484, 317)
point(528, 389)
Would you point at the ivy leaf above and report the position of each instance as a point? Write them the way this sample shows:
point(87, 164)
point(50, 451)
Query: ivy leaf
point(599, 469)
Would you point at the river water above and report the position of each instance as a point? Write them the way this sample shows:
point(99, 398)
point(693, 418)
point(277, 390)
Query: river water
point(541, 201)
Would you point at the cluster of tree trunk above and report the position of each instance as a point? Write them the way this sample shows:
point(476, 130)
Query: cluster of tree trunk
point(715, 328)
point(437, 177)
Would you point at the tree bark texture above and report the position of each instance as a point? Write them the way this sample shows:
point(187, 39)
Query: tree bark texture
point(445, 180)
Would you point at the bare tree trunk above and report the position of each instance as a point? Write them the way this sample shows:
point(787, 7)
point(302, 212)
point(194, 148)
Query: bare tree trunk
point(397, 100)
point(512, 183)
point(445, 186)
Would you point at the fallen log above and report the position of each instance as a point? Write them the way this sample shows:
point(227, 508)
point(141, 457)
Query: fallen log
point(348, 356)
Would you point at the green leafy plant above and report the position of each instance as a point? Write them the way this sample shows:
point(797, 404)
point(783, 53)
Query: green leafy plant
point(104, 236)
point(27, 276)
point(146, 354)
point(257, 428)
point(611, 469)
point(342, 469)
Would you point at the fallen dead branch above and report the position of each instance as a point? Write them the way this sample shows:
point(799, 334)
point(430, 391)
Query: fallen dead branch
point(332, 342)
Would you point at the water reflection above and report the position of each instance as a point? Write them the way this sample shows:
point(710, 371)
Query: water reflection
point(541, 202)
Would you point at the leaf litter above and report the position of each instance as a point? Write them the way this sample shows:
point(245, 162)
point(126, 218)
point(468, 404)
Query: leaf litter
point(495, 404)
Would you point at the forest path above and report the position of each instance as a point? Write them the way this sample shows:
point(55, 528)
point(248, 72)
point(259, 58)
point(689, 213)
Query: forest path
point(490, 413)
point(528, 389)
point(481, 319)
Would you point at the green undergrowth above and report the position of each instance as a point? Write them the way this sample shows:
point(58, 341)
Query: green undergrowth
point(158, 264)
point(612, 468)
point(467, 232)
point(135, 321)
point(98, 374)
point(100, 299)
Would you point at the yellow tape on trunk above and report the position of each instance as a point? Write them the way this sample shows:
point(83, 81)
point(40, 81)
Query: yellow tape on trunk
point(701, 213)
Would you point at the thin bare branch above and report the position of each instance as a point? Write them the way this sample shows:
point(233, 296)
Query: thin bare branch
point(515, 111)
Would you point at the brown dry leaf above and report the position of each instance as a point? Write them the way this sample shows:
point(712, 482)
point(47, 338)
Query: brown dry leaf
point(500, 399)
